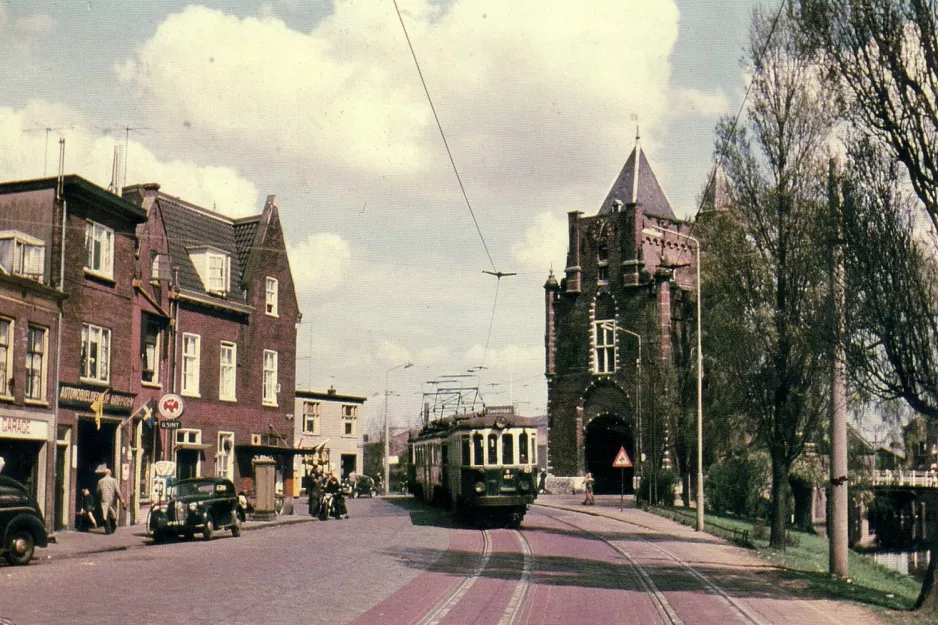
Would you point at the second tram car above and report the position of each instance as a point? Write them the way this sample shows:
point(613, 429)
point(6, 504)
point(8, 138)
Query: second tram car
point(482, 465)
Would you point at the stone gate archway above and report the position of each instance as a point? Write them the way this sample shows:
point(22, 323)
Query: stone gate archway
point(605, 435)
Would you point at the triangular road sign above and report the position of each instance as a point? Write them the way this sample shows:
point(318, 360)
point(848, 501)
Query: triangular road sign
point(622, 460)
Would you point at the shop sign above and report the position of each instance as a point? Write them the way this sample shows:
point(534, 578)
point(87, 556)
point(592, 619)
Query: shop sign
point(21, 427)
point(170, 406)
point(77, 395)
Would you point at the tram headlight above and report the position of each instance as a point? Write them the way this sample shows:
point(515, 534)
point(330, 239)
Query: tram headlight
point(480, 487)
point(527, 468)
point(524, 485)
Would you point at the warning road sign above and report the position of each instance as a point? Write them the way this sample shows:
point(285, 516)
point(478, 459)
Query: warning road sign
point(622, 460)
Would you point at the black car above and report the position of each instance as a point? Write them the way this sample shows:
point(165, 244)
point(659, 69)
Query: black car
point(21, 524)
point(364, 486)
point(197, 505)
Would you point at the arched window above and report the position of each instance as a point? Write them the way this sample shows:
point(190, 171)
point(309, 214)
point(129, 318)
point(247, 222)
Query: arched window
point(508, 448)
point(493, 448)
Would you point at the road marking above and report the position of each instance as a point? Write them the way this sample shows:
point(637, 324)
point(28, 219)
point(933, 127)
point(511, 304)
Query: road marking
point(444, 605)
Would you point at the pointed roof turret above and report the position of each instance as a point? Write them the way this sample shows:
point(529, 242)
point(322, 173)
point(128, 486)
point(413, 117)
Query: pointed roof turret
point(637, 184)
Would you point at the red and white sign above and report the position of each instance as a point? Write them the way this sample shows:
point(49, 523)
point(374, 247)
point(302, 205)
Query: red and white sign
point(622, 460)
point(170, 406)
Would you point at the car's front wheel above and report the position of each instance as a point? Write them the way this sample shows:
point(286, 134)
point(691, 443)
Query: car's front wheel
point(235, 523)
point(209, 530)
point(20, 547)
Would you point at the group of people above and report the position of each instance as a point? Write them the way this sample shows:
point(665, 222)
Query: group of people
point(327, 495)
point(109, 496)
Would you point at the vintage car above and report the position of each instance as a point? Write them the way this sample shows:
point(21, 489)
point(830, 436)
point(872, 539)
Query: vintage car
point(197, 505)
point(22, 527)
point(364, 486)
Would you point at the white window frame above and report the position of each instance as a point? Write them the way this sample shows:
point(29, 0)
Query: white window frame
point(23, 255)
point(227, 371)
point(155, 357)
point(7, 344)
point(35, 386)
point(311, 418)
point(270, 378)
point(604, 346)
point(214, 268)
point(349, 417)
point(99, 261)
point(224, 458)
point(272, 292)
point(97, 339)
point(191, 363)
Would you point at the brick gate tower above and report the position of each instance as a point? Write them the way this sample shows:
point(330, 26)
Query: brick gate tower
point(626, 291)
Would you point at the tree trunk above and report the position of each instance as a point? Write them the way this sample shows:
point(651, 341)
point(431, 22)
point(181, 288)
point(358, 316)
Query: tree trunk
point(927, 603)
point(779, 501)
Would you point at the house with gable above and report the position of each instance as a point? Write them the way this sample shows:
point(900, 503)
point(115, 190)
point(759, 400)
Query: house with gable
point(218, 318)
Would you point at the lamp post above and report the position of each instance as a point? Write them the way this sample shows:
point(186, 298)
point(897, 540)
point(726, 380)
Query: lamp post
point(638, 375)
point(387, 429)
point(658, 233)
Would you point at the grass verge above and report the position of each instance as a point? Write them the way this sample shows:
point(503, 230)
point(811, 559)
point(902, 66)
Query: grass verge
point(805, 562)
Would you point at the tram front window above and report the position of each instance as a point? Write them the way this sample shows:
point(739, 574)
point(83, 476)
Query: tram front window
point(478, 458)
point(523, 449)
point(508, 448)
point(493, 449)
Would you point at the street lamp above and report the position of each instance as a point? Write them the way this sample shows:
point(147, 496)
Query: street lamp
point(658, 233)
point(638, 375)
point(387, 429)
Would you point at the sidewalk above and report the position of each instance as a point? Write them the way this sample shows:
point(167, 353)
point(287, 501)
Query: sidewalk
point(71, 543)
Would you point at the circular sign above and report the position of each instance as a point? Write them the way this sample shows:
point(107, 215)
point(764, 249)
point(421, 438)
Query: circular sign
point(170, 406)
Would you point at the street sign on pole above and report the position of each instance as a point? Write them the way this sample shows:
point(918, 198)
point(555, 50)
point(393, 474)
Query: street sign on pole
point(622, 462)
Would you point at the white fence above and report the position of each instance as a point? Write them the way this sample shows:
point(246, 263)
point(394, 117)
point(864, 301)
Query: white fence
point(898, 477)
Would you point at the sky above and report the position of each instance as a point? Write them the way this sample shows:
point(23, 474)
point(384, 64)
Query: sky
point(320, 103)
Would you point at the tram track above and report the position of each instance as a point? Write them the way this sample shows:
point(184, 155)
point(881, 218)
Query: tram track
point(664, 607)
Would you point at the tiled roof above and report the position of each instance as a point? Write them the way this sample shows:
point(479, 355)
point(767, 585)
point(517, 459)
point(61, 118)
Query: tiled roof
point(187, 227)
point(244, 232)
point(647, 192)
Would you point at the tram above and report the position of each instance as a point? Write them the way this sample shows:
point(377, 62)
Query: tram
point(482, 465)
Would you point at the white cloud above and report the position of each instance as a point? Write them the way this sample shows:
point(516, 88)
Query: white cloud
point(319, 262)
point(545, 243)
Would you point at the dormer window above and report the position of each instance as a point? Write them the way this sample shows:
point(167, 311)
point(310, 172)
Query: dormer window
point(22, 255)
point(214, 268)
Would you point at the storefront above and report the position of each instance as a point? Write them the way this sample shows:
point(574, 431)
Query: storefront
point(25, 437)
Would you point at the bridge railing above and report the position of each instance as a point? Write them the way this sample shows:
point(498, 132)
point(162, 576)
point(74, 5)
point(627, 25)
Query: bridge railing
point(905, 478)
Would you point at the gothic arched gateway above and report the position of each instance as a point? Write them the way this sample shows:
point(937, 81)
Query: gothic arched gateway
point(603, 438)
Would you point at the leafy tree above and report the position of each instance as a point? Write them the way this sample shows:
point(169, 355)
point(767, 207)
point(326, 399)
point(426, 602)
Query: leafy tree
point(768, 330)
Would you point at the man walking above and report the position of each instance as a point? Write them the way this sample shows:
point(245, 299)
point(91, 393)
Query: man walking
point(108, 494)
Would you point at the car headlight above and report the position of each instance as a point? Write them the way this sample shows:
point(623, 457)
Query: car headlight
point(193, 507)
point(480, 487)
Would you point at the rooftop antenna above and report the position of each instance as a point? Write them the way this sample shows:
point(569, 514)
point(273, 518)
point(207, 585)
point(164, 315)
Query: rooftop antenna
point(60, 182)
point(47, 130)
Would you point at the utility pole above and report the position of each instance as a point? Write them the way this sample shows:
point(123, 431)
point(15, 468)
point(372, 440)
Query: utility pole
point(838, 523)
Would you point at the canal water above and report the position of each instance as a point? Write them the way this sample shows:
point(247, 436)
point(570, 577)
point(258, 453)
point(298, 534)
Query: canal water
point(913, 563)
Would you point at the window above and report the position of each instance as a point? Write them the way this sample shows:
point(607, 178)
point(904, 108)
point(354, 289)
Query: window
point(271, 306)
point(150, 341)
point(6, 356)
point(214, 268)
point(493, 448)
point(311, 417)
point(602, 264)
point(22, 255)
point(228, 362)
point(478, 458)
point(523, 449)
point(349, 420)
point(605, 351)
point(191, 355)
point(224, 456)
point(95, 353)
point(508, 448)
point(99, 249)
point(35, 363)
point(188, 437)
point(466, 455)
point(270, 378)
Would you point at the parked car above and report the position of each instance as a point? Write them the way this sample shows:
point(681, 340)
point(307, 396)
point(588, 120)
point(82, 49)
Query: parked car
point(197, 505)
point(21, 524)
point(364, 487)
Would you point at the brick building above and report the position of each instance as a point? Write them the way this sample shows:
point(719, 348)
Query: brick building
point(217, 327)
point(626, 291)
point(71, 247)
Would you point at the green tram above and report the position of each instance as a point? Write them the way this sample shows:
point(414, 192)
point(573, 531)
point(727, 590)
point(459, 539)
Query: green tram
point(482, 465)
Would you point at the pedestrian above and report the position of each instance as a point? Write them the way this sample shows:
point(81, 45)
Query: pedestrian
point(109, 493)
point(542, 481)
point(588, 486)
point(315, 495)
point(86, 519)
